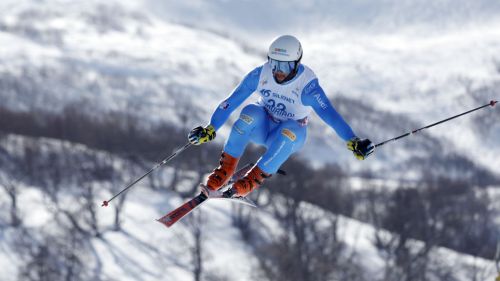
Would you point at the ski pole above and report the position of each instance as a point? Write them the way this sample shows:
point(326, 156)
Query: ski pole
point(491, 103)
point(165, 161)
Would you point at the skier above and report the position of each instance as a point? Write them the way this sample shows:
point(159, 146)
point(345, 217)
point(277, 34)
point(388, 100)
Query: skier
point(289, 91)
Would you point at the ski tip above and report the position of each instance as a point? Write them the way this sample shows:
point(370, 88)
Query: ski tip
point(104, 203)
point(493, 102)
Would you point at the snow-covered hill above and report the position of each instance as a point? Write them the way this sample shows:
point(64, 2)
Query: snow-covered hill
point(110, 58)
point(144, 249)
point(126, 58)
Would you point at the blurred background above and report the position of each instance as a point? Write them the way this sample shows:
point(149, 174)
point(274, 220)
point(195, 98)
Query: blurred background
point(95, 93)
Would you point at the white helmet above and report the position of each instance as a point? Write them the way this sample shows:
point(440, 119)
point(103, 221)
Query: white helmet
point(284, 57)
point(285, 48)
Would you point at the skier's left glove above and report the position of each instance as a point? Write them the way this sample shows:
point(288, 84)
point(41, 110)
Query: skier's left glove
point(360, 148)
point(201, 135)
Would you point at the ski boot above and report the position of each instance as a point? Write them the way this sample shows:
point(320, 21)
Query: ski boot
point(253, 179)
point(221, 175)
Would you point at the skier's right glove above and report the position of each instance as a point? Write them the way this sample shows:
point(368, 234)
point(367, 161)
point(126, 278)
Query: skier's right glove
point(360, 148)
point(201, 135)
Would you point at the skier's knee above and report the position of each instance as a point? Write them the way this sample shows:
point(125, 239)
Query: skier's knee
point(291, 131)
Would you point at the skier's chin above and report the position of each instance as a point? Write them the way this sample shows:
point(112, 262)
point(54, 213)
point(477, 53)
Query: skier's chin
point(280, 77)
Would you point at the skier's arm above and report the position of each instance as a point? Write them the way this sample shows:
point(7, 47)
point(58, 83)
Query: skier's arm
point(246, 87)
point(314, 96)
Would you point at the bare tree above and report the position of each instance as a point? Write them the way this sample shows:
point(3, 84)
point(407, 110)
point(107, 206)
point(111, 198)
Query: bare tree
point(82, 219)
point(60, 256)
point(243, 218)
point(412, 222)
point(12, 191)
point(197, 250)
point(497, 260)
point(89, 206)
point(476, 271)
point(404, 259)
point(307, 250)
point(118, 207)
point(196, 245)
point(200, 163)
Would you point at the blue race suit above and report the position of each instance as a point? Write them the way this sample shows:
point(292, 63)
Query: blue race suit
point(278, 121)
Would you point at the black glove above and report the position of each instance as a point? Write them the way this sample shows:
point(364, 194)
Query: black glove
point(360, 148)
point(201, 135)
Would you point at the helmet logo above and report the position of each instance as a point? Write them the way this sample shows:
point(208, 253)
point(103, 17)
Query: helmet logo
point(280, 51)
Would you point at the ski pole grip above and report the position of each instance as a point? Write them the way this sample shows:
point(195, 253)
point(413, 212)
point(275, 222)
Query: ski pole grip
point(493, 102)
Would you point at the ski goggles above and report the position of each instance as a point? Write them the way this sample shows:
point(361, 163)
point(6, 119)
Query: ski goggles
point(283, 66)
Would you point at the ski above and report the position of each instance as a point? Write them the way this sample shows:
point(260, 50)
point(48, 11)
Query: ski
point(186, 208)
point(241, 200)
point(177, 214)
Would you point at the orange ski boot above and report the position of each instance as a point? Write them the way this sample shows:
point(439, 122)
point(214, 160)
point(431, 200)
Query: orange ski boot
point(253, 179)
point(221, 175)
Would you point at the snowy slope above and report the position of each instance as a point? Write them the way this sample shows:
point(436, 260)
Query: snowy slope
point(145, 249)
point(110, 58)
point(133, 58)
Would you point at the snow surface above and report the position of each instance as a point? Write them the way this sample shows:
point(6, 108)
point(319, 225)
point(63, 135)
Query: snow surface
point(147, 250)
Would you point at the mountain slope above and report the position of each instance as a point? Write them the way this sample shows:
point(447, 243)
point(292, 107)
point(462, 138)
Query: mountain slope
point(56, 228)
point(112, 58)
